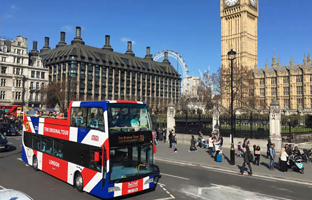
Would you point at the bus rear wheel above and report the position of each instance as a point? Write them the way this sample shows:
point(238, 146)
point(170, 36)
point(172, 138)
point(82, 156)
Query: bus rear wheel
point(78, 182)
point(35, 163)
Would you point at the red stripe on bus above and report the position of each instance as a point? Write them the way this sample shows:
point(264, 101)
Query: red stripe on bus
point(87, 175)
point(124, 101)
point(55, 166)
point(56, 121)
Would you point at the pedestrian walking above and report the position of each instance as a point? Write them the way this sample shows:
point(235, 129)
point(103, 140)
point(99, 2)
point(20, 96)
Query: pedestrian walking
point(217, 148)
point(272, 157)
point(200, 139)
point(256, 154)
point(245, 163)
point(193, 144)
point(221, 142)
point(210, 145)
point(268, 147)
point(240, 150)
point(155, 137)
point(169, 139)
point(283, 160)
point(174, 143)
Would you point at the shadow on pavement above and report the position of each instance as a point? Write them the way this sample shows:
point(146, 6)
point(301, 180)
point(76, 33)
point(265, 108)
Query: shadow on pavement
point(226, 158)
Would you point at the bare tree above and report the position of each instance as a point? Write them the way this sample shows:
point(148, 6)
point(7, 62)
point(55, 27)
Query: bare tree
point(54, 93)
point(243, 88)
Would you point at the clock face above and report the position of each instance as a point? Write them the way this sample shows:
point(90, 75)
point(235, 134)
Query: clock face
point(253, 2)
point(231, 2)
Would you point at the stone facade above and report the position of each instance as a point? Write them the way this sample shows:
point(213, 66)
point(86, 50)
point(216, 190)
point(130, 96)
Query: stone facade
point(290, 85)
point(239, 31)
point(18, 78)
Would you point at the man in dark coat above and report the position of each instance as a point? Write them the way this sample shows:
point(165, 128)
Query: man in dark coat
point(246, 162)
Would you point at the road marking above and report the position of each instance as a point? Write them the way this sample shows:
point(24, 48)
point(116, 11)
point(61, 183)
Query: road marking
point(266, 178)
point(2, 187)
point(236, 189)
point(166, 198)
point(195, 195)
point(175, 176)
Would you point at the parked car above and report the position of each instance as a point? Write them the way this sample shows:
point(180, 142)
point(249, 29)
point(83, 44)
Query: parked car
point(4, 144)
point(8, 129)
point(14, 194)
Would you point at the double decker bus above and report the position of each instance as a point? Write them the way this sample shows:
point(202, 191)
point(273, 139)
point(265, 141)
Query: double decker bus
point(11, 110)
point(104, 148)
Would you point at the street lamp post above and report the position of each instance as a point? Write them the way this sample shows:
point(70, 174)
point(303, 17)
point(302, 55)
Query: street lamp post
point(289, 124)
point(231, 57)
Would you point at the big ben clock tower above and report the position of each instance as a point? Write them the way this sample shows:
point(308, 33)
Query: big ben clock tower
point(239, 21)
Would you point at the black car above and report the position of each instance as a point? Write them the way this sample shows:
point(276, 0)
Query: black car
point(7, 129)
point(4, 144)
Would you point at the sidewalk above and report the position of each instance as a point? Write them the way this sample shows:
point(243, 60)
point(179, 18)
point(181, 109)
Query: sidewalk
point(202, 158)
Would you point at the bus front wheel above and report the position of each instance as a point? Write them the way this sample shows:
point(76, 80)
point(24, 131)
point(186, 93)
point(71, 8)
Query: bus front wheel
point(35, 163)
point(79, 182)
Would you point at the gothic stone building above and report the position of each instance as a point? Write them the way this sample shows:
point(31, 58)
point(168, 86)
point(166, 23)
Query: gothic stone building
point(291, 85)
point(100, 73)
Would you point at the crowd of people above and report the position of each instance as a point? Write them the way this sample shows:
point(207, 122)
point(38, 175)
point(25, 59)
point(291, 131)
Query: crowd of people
point(16, 121)
point(50, 114)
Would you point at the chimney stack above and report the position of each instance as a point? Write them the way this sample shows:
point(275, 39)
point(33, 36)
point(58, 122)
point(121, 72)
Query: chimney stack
point(107, 45)
point(62, 40)
point(46, 44)
point(166, 61)
point(35, 45)
point(78, 38)
point(34, 51)
point(129, 49)
point(148, 55)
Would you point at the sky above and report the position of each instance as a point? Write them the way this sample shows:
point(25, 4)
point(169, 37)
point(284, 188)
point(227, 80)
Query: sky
point(190, 27)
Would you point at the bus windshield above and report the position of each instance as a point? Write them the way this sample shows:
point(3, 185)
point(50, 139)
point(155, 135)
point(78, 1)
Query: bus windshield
point(129, 162)
point(128, 117)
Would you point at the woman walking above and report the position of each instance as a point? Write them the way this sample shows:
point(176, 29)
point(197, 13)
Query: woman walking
point(283, 161)
point(193, 144)
point(217, 148)
point(256, 154)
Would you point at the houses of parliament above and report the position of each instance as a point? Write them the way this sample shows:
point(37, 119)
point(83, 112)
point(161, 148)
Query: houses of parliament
point(290, 85)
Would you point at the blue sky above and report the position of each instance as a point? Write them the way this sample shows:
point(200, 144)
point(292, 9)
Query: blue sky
point(190, 27)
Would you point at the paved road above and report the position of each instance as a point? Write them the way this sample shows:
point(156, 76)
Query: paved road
point(177, 181)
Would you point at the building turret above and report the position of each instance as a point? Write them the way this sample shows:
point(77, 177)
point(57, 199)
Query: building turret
point(266, 67)
point(305, 66)
point(309, 57)
point(33, 53)
point(274, 60)
point(62, 40)
point(148, 55)
point(279, 65)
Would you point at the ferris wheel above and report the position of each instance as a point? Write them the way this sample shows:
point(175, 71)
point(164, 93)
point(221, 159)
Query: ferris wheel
point(176, 56)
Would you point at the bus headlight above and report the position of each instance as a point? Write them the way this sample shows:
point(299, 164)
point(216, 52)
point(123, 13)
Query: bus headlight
point(113, 189)
point(150, 180)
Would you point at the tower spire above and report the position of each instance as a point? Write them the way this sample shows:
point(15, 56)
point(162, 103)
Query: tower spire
point(274, 60)
point(309, 57)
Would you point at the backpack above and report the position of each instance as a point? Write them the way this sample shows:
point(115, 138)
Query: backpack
point(244, 144)
point(221, 142)
point(250, 157)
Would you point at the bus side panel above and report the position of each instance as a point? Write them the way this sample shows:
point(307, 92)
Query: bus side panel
point(55, 166)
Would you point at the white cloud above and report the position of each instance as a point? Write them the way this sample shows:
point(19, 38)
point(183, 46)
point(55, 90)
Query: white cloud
point(13, 7)
point(8, 16)
point(68, 28)
point(125, 39)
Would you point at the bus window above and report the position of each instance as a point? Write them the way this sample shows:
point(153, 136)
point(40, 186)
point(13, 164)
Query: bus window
point(46, 146)
point(95, 118)
point(78, 117)
point(58, 149)
point(36, 143)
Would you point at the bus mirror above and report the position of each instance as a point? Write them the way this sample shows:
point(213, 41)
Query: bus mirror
point(96, 156)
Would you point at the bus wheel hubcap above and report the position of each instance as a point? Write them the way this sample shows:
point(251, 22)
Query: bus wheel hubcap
point(79, 181)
